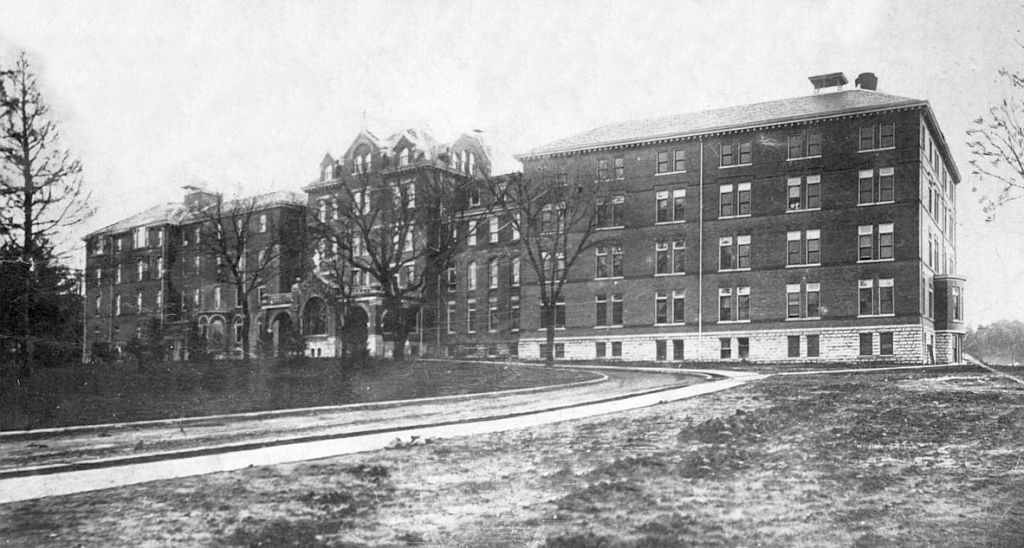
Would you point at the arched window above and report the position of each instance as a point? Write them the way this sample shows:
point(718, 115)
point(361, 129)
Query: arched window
point(204, 328)
point(217, 332)
point(237, 329)
point(314, 318)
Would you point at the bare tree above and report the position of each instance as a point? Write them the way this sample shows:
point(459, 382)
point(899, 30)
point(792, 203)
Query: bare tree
point(245, 240)
point(399, 231)
point(997, 143)
point(556, 221)
point(40, 186)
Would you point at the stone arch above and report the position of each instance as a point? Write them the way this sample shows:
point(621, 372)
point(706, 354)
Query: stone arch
point(314, 317)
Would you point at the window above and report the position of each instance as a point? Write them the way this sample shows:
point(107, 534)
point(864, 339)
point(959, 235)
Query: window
point(601, 310)
point(474, 196)
point(471, 316)
point(734, 200)
point(805, 145)
point(492, 230)
point(867, 344)
point(558, 311)
point(515, 227)
point(670, 206)
point(492, 268)
point(734, 253)
point(449, 310)
point(514, 275)
point(99, 276)
point(610, 212)
point(660, 350)
point(552, 219)
point(885, 343)
point(472, 232)
point(743, 343)
point(139, 235)
point(492, 314)
point(669, 307)
point(620, 168)
point(876, 299)
point(609, 261)
point(812, 346)
point(875, 186)
point(471, 276)
point(726, 348)
point(678, 350)
point(140, 269)
point(403, 157)
point(803, 248)
point(216, 298)
point(117, 305)
point(679, 160)
point(602, 169)
point(514, 313)
point(616, 349)
point(263, 223)
point(736, 154)
point(803, 194)
point(617, 309)
point(159, 237)
point(875, 243)
point(117, 274)
point(793, 345)
point(931, 298)
point(803, 302)
point(957, 310)
point(600, 349)
point(198, 233)
point(138, 303)
point(882, 135)
point(554, 270)
point(663, 162)
point(734, 304)
point(562, 178)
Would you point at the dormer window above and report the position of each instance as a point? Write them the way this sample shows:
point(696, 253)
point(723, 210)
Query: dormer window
point(328, 173)
point(403, 157)
point(472, 163)
point(361, 160)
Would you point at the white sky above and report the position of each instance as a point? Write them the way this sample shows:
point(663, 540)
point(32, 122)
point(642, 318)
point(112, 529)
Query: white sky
point(251, 94)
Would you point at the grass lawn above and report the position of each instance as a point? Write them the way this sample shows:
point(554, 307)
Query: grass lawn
point(847, 460)
point(119, 393)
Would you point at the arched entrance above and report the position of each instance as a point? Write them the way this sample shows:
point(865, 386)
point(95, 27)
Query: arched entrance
point(355, 332)
point(287, 340)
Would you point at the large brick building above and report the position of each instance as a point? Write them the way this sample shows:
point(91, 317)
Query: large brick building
point(815, 228)
point(820, 228)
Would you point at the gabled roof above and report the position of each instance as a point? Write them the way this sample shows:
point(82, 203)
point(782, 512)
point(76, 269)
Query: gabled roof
point(726, 119)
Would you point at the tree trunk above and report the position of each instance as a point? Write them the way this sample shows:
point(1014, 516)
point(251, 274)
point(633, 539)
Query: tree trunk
point(246, 324)
point(548, 316)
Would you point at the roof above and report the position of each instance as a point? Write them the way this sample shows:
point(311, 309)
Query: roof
point(169, 213)
point(176, 213)
point(725, 119)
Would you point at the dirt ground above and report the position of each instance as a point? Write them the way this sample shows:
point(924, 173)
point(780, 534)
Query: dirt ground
point(845, 460)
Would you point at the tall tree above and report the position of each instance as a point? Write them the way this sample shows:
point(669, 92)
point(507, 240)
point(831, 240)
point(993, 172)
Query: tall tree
point(557, 221)
point(41, 190)
point(997, 143)
point(399, 233)
point(245, 239)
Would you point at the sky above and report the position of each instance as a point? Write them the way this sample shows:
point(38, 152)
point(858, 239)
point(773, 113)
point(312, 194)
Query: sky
point(247, 96)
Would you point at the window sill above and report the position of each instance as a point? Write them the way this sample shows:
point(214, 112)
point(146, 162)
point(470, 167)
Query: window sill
point(860, 316)
point(734, 270)
point(865, 204)
point(610, 278)
point(803, 210)
point(868, 261)
point(660, 223)
point(664, 173)
point(608, 327)
point(803, 319)
point(610, 227)
point(741, 216)
point(808, 265)
point(666, 274)
point(675, 324)
point(802, 158)
point(876, 149)
point(736, 165)
point(556, 329)
point(732, 321)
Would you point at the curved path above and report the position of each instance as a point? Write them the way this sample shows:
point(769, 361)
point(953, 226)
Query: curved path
point(61, 461)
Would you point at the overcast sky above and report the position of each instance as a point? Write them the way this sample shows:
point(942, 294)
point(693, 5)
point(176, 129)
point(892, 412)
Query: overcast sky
point(251, 94)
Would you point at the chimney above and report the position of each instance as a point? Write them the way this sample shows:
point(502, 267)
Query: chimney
point(867, 80)
point(198, 198)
